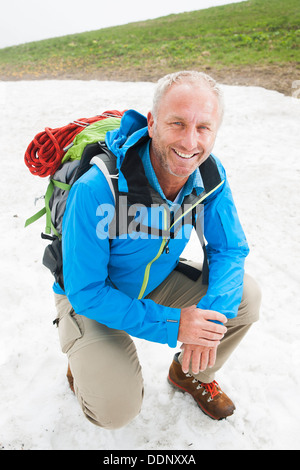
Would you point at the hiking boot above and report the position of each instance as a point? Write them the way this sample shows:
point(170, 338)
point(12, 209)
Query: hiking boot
point(209, 397)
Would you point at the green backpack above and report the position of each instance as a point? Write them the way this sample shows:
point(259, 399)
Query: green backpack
point(87, 148)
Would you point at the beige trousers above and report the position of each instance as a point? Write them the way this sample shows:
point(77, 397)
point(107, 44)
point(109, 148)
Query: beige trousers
point(107, 374)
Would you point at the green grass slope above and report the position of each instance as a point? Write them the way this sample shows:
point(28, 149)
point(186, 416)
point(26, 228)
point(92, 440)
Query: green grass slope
point(253, 35)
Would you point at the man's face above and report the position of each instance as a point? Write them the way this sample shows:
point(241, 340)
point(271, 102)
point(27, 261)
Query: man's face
point(184, 131)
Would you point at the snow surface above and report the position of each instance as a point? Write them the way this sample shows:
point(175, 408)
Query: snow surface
point(259, 146)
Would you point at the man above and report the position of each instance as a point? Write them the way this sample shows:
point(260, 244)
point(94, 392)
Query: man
point(132, 284)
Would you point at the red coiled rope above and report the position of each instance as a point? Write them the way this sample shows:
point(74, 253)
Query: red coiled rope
point(44, 154)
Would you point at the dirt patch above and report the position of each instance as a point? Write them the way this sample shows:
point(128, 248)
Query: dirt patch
point(279, 78)
point(273, 77)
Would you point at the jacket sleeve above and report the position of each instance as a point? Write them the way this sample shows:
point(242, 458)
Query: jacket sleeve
point(227, 249)
point(86, 274)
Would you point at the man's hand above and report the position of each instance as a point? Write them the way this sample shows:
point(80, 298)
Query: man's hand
point(199, 357)
point(197, 327)
point(200, 337)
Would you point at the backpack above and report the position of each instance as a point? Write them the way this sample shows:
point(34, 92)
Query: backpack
point(65, 154)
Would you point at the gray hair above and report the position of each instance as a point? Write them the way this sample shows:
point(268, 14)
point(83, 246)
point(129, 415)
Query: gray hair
point(192, 76)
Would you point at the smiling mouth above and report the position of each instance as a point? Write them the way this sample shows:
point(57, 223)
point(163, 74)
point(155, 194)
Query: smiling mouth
point(185, 155)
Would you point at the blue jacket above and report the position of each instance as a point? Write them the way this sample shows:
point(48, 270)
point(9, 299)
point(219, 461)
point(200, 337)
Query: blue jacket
point(108, 279)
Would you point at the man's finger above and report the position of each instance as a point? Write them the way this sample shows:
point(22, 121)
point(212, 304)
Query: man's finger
point(196, 359)
point(212, 357)
point(186, 359)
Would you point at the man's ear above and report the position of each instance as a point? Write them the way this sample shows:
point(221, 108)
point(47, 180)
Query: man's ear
point(150, 120)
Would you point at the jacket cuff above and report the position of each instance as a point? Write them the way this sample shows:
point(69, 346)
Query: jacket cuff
point(172, 324)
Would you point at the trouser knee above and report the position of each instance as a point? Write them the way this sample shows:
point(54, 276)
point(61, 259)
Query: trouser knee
point(251, 300)
point(108, 382)
point(113, 412)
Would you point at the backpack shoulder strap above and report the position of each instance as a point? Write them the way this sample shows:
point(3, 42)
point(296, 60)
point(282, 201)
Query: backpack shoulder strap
point(210, 174)
point(106, 162)
point(98, 154)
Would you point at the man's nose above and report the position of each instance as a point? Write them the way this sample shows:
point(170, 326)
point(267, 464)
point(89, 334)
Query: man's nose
point(190, 139)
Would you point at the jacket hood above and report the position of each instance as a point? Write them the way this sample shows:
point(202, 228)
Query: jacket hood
point(133, 126)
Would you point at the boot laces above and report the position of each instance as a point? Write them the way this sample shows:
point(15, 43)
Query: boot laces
point(212, 388)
